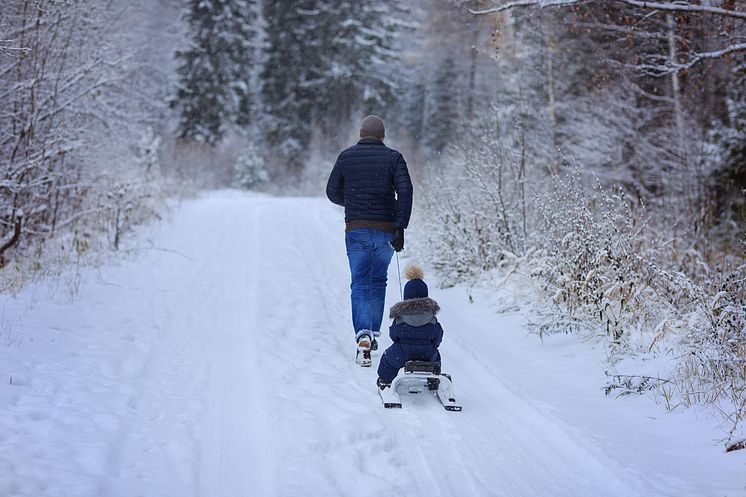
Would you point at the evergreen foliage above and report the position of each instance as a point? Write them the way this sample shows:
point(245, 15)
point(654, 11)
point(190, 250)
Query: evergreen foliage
point(213, 87)
point(442, 111)
point(412, 102)
point(244, 16)
point(359, 51)
point(249, 170)
point(734, 136)
point(324, 59)
point(286, 93)
point(729, 150)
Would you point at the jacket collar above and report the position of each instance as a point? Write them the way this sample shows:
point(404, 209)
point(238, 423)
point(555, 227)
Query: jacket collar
point(370, 141)
point(414, 306)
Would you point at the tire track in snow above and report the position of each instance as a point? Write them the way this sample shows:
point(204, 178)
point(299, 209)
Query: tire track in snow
point(334, 395)
point(238, 455)
point(333, 360)
point(428, 469)
point(526, 437)
point(160, 404)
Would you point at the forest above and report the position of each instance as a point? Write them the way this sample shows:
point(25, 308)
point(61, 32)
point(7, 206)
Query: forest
point(594, 150)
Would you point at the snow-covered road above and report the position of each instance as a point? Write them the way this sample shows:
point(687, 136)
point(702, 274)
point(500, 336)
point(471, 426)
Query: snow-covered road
point(219, 363)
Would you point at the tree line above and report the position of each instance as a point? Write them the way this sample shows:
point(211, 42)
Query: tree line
point(281, 70)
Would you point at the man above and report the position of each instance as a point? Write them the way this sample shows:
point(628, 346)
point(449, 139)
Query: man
point(371, 182)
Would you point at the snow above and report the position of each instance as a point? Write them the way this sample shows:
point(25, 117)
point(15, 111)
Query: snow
point(219, 362)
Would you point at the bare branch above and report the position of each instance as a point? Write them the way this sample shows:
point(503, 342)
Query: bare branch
point(685, 7)
point(666, 68)
point(653, 67)
point(524, 3)
point(741, 47)
point(673, 7)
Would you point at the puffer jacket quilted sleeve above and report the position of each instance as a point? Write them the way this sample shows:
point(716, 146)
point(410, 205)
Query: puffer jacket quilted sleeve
point(372, 182)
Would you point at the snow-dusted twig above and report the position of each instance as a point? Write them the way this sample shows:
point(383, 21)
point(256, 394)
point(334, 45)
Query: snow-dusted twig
point(670, 7)
point(666, 68)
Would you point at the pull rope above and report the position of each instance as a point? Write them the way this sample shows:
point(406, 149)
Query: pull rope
point(398, 271)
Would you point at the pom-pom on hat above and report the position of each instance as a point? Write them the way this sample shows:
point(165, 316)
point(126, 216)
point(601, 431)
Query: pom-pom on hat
point(415, 287)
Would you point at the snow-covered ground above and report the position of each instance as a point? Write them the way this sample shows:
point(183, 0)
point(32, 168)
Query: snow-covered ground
point(219, 362)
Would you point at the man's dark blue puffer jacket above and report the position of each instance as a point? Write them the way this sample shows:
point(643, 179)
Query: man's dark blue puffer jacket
point(372, 182)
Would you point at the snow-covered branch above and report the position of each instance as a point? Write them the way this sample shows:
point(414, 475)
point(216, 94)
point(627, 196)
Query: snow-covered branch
point(525, 3)
point(655, 65)
point(670, 7)
point(663, 66)
point(686, 7)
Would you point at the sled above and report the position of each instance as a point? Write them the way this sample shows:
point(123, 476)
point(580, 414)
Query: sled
point(420, 377)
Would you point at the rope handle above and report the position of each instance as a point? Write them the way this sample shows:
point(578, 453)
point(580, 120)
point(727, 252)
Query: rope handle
point(398, 270)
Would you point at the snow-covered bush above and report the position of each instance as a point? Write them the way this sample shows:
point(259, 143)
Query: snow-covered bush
point(709, 316)
point(469, 233)
point(148, 153)
point(250, 171)
point(78, 107)
point(129, 204)
point(591, 241)
point(458, 239)
point(601, 267)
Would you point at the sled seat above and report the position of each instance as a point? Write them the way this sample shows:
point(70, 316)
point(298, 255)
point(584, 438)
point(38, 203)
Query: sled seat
point(420, 377)
point(422, 367)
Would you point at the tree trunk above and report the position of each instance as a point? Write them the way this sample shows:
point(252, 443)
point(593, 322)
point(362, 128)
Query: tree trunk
point(675, 82)
point(472, 72)
point(550, 44)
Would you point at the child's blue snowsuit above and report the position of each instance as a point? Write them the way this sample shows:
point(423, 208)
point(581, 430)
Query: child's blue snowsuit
point(416, 334)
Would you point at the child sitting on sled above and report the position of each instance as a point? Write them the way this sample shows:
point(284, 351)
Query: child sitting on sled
point(416, 332)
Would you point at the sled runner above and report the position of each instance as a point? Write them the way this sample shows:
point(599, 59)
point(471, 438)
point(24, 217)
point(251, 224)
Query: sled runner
point(420, 377)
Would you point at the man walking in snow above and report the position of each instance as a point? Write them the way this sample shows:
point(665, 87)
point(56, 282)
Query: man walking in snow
point(372, 183)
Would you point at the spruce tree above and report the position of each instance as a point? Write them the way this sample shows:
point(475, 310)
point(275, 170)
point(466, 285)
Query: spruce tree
point(733, 142)
point(249, 170)
point(357, 58)
point(325, 59)
point(411, 105)
point(442, 111)
point(287, 95)
point(728, 144)
point(213, 88)
point(243, 26)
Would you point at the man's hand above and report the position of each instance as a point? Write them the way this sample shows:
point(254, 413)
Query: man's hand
point(398, 242)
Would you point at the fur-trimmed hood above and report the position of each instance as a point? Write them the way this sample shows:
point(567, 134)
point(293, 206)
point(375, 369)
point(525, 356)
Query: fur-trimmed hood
point(415, 312)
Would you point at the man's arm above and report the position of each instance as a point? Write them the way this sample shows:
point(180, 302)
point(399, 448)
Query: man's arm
point(403, 189)
point(335, 187)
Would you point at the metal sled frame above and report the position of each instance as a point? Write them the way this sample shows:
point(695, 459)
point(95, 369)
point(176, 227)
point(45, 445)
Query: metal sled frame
point(418, 377)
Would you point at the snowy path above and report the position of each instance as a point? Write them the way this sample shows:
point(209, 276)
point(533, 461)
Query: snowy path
point(223, 367)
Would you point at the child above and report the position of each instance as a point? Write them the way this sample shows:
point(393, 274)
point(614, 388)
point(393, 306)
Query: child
point(415, 331)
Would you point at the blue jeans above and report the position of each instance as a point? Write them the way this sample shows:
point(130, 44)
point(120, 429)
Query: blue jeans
point(369, 253)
